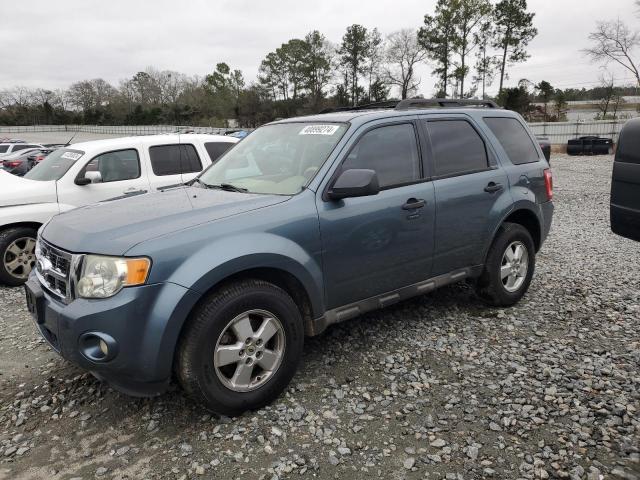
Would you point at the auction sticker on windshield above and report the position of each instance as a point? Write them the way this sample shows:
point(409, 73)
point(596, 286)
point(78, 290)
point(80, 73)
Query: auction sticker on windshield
point(319, 130)
point(71, 155)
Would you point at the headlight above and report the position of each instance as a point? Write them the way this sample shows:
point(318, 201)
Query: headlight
point(103, 277)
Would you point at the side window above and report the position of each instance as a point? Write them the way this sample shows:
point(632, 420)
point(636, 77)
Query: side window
point(514, 139)
point(21, 147)
point(4, 148)
point(174, 159)
point(391, 151)
point(115, 166)
point(457, 148)
point(215, 149)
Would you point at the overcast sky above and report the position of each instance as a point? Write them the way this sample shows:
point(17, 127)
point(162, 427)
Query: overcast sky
point(53, 44)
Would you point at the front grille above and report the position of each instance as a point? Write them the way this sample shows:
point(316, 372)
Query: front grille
point(53, 268)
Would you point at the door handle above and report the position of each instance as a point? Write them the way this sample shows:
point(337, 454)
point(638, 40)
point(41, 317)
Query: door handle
point(414, 203)
point(493, 187)
point(134, 190)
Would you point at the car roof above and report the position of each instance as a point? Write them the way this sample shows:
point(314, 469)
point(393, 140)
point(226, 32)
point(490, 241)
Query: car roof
point(367, 115)
point(150, 140)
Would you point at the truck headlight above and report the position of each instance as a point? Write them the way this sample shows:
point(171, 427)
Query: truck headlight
point(103, 277)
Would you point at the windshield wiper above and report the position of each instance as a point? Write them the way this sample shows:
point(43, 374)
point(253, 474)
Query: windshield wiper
point(226, 186)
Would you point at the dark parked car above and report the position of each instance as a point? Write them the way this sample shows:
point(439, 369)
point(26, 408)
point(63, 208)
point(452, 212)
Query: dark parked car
point(18, 163)
point(625, 184)
point(306, 222)
point(545, 146)
point(39, 155)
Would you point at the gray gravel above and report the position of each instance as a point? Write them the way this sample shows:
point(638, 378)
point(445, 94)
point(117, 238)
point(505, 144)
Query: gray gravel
point(440, 387)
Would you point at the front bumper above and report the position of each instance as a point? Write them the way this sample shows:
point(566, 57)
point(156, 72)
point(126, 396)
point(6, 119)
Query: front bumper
point(144, 322)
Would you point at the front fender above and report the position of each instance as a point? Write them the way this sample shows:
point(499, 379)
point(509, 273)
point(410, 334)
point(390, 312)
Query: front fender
point(30, 213)
point(215, 261)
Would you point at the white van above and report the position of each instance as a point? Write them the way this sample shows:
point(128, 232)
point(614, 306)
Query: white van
point(91, 172)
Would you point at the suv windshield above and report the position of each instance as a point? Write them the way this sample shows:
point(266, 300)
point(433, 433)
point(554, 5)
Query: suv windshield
point(55, 165)
point(275, 159)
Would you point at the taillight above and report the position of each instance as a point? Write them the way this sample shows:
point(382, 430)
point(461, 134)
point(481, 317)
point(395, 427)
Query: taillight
point(12, 164)
point(548, 183)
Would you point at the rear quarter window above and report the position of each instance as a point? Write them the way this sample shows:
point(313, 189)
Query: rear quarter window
point(216, 149)
point(514, 139)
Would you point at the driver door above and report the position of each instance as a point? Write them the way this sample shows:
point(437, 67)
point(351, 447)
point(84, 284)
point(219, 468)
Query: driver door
point(121, 173)
point(380, 243)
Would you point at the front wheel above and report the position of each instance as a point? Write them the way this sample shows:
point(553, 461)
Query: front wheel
point(509, 267)
point(241, 347)
point(17, 255)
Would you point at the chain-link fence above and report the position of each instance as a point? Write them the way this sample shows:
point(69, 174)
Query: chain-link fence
point(561, 132)
point(558, 133)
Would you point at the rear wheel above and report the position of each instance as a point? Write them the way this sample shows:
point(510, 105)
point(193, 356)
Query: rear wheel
point(241, 347)
point(17, 255)
point(509, 267)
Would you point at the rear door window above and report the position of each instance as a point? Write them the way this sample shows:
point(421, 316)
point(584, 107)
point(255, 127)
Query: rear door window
point(457, 148)
point(4, 148)
point(216, 149)
point(174, 159)
point(514, 139)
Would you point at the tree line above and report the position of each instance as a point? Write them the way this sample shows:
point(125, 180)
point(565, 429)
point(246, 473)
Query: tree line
point(469, 45)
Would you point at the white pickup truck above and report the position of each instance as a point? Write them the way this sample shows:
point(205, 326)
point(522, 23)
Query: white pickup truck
point(91, 172)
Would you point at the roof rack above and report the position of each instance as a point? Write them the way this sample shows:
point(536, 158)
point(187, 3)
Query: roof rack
point(418, 103)
point(367, 106)
point(443, 103)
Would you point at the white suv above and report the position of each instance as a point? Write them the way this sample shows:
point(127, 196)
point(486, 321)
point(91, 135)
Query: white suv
point(92, 172)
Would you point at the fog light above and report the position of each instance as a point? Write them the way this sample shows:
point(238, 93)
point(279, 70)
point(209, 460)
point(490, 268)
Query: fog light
point(104, 348)
point(98, 346)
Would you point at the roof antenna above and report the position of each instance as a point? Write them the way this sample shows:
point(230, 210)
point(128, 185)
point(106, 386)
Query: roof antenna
point(72, 137)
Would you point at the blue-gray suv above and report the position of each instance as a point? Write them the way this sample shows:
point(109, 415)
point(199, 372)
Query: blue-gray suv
point(307, 222)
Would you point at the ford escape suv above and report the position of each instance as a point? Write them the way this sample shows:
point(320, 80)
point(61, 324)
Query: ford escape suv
point(307, 222)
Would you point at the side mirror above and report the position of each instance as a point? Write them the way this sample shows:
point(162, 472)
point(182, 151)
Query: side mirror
point(354, 183)
point(89, 177)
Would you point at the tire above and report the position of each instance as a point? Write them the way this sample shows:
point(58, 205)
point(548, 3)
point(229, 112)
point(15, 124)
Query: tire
point(491, 286)
point(208, 330)
point(8, 238)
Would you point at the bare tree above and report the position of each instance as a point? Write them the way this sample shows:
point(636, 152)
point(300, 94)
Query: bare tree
point(402, 55)
point(614, 42)
point(608, 89)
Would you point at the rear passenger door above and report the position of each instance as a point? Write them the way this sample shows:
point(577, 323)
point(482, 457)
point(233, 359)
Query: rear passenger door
point(173, 164)
point(471, 192)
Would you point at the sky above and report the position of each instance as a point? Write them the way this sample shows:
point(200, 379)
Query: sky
point(58, 43)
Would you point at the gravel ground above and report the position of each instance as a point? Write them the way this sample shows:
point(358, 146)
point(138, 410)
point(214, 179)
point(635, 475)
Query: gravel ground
point(440, 387)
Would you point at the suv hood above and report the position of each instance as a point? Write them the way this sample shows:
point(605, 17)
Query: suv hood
point(115, 226)
point(20, 191)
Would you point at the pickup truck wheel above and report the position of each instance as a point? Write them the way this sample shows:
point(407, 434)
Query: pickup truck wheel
point(509, 267)
point(17, 255)
point(241, 347)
